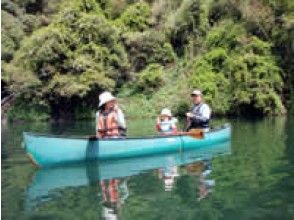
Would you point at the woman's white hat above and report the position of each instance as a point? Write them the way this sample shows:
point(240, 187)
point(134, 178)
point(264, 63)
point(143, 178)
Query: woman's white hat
point(105, 97)
point(166, 111)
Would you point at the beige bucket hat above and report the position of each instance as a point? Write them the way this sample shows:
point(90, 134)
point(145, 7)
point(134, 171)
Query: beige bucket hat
point(196, 92)
point(105, 97)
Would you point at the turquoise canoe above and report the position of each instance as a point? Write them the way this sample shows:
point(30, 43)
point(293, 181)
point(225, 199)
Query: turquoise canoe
point(47, 150)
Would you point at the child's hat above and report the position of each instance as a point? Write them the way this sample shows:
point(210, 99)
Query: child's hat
point(166, 112)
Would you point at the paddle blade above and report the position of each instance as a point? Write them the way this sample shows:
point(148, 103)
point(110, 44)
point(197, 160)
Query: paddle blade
point(196, 133)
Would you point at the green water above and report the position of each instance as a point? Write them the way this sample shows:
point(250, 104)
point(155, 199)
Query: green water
point(253, 179)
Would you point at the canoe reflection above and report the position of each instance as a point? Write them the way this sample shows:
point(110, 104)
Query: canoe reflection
point(112, 177)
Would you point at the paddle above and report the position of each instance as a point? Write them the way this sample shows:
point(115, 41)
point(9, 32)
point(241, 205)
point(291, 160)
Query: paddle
point(92, 137)
point(195, 133)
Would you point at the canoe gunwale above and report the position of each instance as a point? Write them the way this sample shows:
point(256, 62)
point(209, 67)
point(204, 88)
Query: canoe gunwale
point(225, 126)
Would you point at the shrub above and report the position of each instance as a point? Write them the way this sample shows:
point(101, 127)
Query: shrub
point(150, 79)
point(135, 18)
point(66, 60)
point(31, 22)
point(12, 34)
point(188, 22)
point(23, 110)
point(148, 47)
point(219, 36)
point(238, 73)
point(223, 9)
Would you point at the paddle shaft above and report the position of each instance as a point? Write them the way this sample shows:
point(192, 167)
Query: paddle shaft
point(195, 133)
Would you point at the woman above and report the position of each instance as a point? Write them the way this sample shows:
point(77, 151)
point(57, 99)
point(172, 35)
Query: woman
point(110, 120)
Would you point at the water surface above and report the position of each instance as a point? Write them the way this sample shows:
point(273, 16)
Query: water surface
point(251, 178)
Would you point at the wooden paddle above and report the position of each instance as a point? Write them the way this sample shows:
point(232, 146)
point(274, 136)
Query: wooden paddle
point(195, 133)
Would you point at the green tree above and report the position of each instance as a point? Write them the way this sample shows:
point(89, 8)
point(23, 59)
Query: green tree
point(148, 47)
point(150, 79)
point(75, 57)
point(238, 74)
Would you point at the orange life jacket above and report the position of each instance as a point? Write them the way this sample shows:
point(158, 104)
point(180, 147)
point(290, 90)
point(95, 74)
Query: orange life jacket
point(110, 190)
point(108, 125)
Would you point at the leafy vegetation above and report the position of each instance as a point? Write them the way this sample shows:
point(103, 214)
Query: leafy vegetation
point(238, 73)
point(62, 55)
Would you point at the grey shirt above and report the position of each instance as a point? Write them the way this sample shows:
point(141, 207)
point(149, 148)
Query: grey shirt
point(201, 112)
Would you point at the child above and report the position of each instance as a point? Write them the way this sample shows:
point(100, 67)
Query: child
point(166, 124)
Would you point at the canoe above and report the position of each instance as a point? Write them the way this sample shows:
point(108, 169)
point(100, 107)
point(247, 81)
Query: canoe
point(48, 150)
point(53, 179)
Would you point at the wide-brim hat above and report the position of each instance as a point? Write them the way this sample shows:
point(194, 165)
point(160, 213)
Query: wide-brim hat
point(105, 97)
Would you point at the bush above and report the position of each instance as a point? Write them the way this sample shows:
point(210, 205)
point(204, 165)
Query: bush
point(113, 8)
point(135, 18)
point(30, 22)
point(12, 34)
point(238, 73)
point(23, 110)
point(69, 60)
point(11, 7)
point(148, 47)
point(187, 24)
point(150, 79)
point(219, 36)
point(220, 10)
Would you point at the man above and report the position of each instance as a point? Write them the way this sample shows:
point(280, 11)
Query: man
point(110, 121)
point(199, 117)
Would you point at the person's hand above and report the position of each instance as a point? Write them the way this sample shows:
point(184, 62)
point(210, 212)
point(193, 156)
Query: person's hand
point(158, 120)
point(189, 114)
point(115, 107)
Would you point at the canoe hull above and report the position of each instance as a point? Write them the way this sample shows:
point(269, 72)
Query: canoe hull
point(52, 150)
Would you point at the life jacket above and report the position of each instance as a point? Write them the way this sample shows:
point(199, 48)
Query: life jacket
point(167, 127)
point(108, 125)
point(110, 190)
point(199, 124)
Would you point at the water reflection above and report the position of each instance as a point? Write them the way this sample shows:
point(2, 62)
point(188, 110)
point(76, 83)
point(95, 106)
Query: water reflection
point(202, 170)
point(168, 176)
point(111, 177)
point(114, 194)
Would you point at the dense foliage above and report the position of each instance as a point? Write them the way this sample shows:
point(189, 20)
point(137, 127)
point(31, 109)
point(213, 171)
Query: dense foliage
point(151, 52)
point(238, 73)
